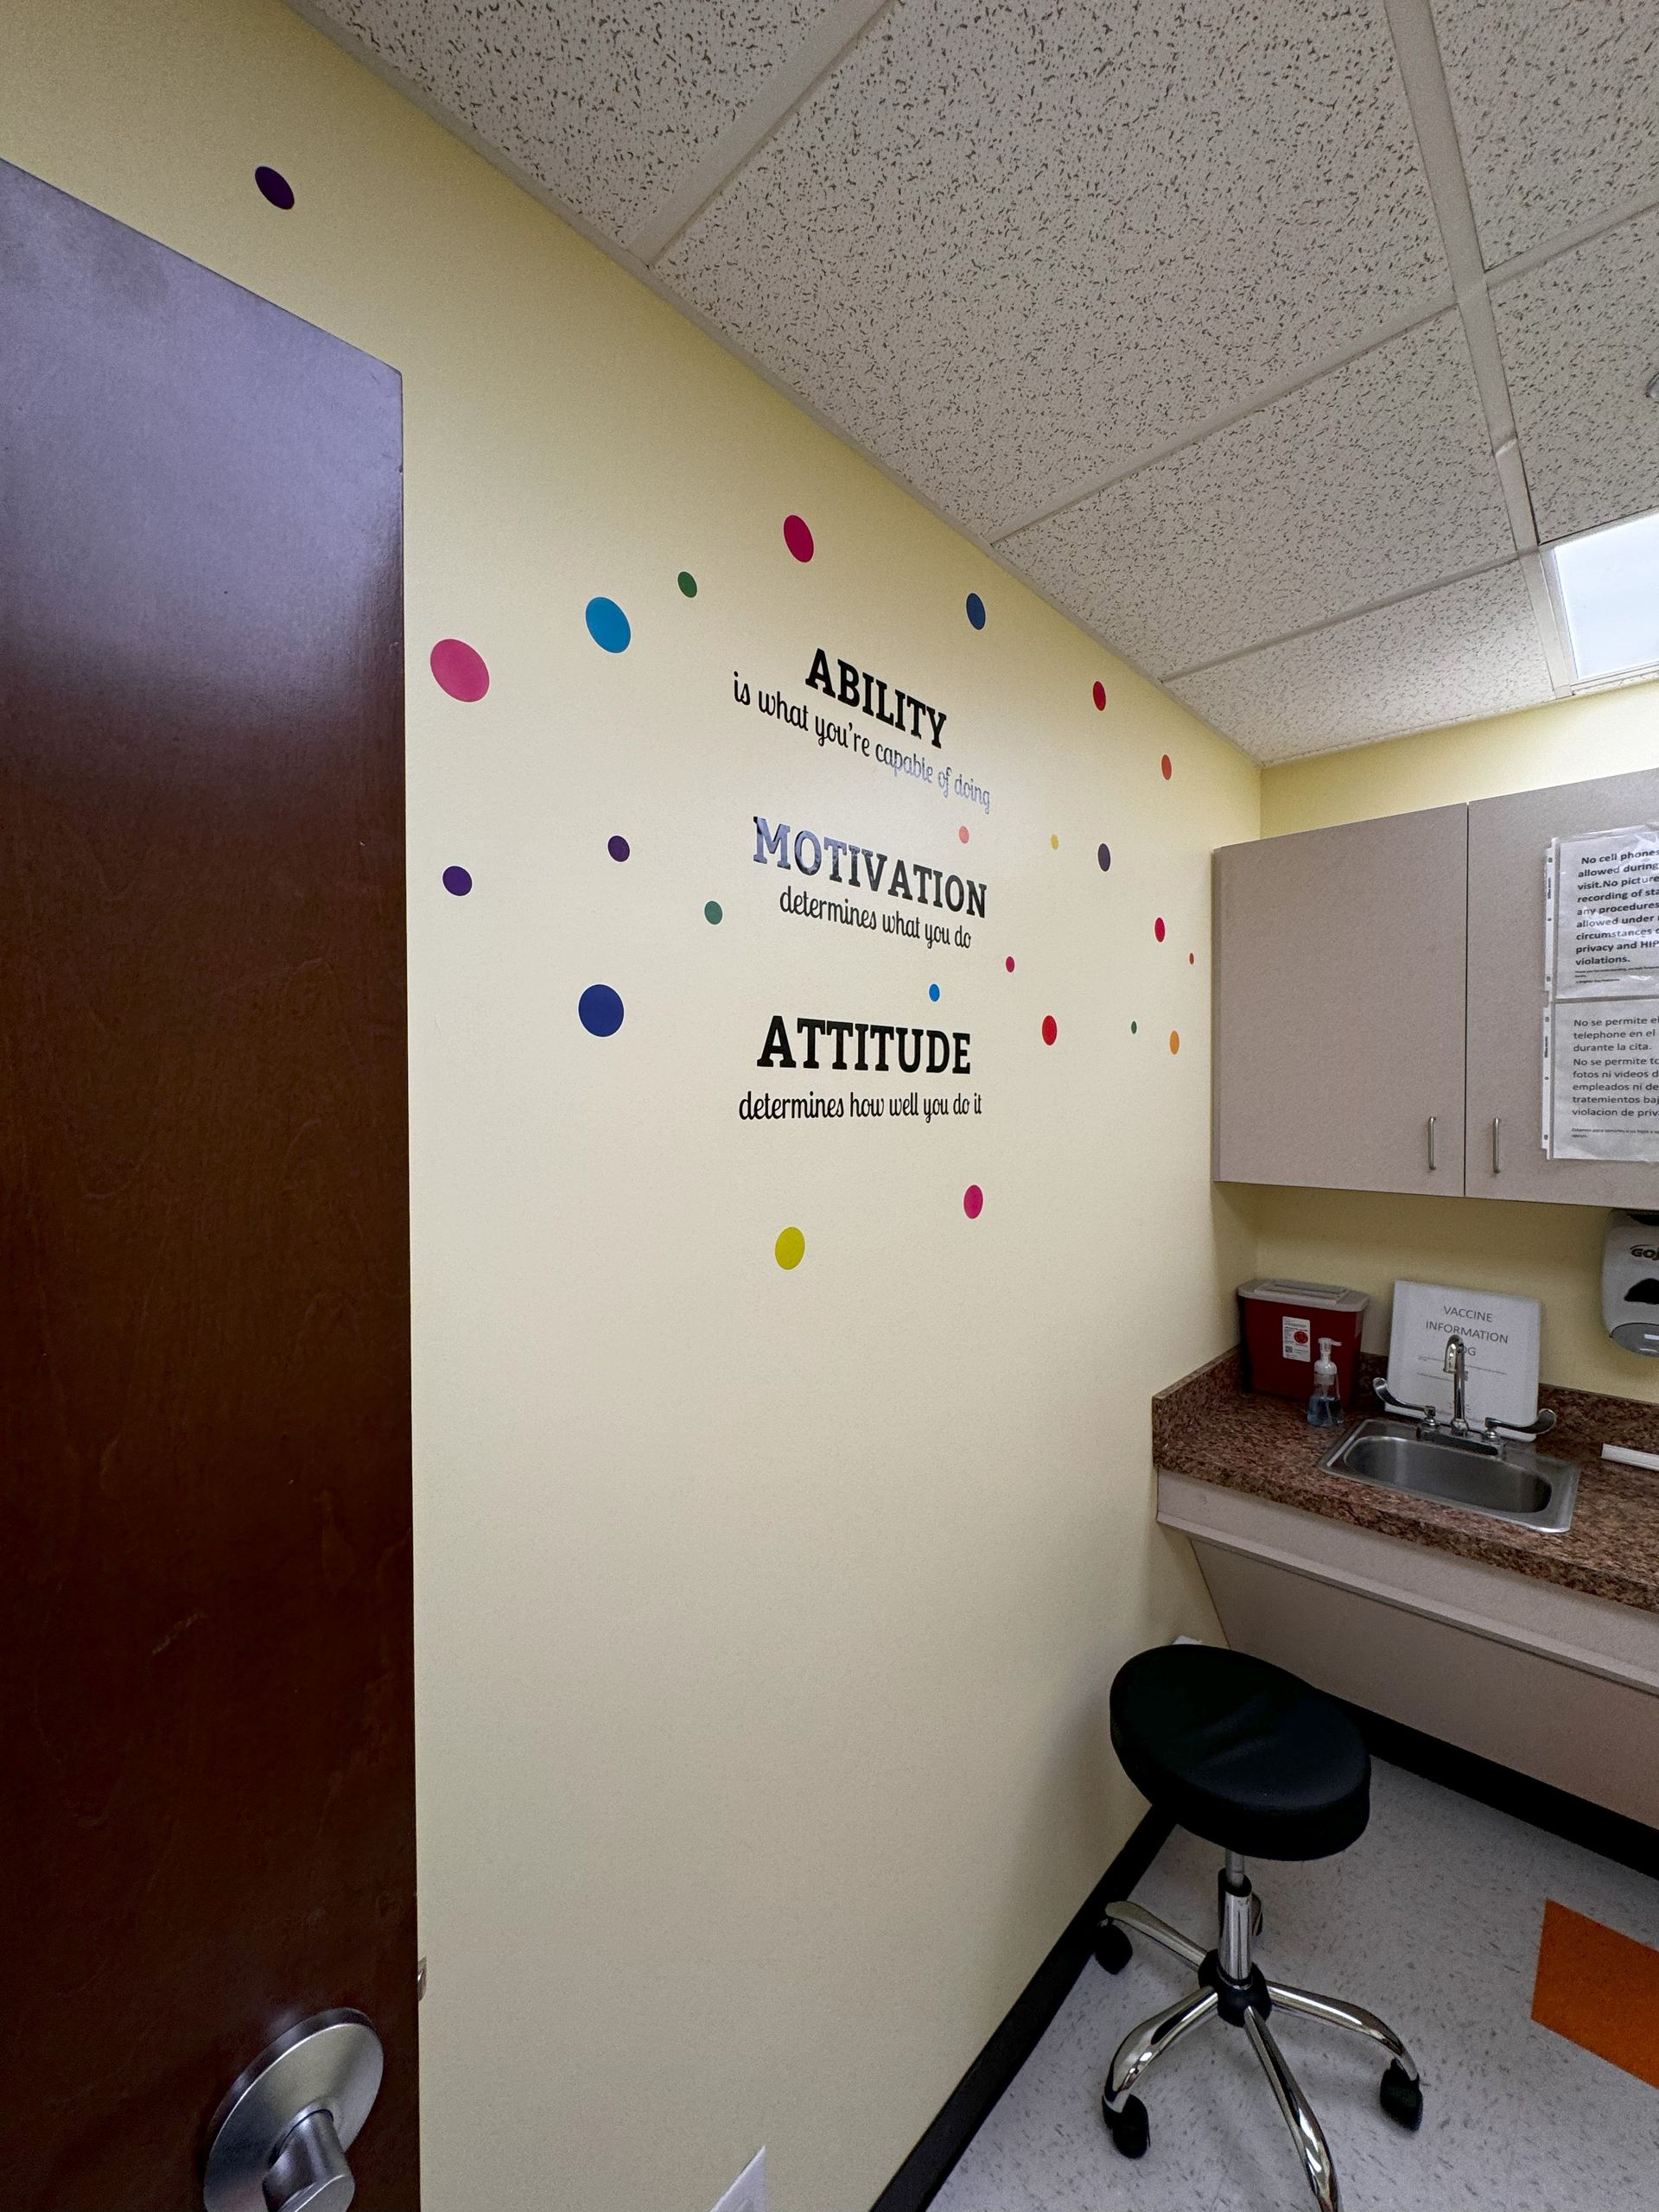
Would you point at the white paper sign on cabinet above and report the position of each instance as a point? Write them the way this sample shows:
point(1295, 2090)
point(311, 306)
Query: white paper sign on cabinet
point(1601, 1026)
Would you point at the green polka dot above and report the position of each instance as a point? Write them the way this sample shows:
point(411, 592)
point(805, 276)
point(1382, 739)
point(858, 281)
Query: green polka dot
point(1134, 1025)
point(688, 583)
point(712, 912)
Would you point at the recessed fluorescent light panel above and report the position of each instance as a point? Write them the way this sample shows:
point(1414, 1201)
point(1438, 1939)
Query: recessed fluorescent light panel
point(1608, 582)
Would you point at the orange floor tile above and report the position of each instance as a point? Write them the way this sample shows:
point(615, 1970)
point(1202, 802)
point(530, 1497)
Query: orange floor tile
point(1600, 1990)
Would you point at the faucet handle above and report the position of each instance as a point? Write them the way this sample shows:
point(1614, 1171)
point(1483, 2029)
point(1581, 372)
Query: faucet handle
point(1398, 1406)
point(1541, 1427)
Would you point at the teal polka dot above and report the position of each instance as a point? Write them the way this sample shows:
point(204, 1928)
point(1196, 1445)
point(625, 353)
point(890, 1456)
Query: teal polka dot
point(712, 912)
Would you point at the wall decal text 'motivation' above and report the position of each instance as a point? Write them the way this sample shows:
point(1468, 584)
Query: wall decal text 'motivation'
point(805, 849)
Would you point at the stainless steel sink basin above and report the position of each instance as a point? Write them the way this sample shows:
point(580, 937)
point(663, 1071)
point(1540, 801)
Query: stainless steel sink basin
point(1517, 1484)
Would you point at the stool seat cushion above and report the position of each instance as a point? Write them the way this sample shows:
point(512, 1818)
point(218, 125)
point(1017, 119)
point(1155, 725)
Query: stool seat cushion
point(1241, 1752)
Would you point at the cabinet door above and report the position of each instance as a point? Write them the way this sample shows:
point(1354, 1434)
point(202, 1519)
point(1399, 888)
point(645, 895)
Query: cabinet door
point(1338, 1020)
point(1507, 842)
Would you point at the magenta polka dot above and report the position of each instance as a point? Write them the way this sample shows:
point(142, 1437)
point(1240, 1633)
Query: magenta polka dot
point(973, 1202)
point(1158, 930)
point(459, 670)
point(797, 537)
point(1100, 695)
point(1009, 963)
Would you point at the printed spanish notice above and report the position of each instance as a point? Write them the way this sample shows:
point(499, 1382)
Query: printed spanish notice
point(1601, 1027)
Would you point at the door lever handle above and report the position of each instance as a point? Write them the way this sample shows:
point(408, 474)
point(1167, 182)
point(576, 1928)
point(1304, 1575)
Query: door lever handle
point(279, 2138)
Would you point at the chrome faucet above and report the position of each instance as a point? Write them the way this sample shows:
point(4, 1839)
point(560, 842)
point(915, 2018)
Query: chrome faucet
point(1455, 1365)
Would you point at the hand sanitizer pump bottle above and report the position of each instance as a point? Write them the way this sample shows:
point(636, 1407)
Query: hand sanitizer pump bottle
point(1324, 1407)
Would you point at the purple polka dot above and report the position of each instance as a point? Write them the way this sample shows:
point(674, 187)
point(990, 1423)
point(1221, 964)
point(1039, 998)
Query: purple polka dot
point(274, 187)
point(457, 881)
point(1104, 856)
point(619, 848)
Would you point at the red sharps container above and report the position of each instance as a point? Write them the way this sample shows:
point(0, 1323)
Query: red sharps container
point(1280, 1324)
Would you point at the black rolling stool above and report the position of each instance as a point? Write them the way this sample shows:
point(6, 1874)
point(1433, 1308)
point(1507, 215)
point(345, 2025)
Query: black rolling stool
point(1250, 1758)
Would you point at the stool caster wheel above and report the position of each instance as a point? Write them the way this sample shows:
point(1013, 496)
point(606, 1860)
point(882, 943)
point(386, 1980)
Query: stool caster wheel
point(1113, 1949)
point(1401, 2097)
point(1128, 2127)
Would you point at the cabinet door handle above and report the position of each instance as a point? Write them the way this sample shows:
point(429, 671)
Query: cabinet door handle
point(1497, 1144)
point(1433, 1161)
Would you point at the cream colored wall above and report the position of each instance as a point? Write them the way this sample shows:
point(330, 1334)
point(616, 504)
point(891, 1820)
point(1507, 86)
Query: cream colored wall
point(1604, 733)
point(1551, 1253)
point(763, 1620)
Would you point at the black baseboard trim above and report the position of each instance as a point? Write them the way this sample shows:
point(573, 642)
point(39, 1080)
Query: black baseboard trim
point(924, 2172)
point(1575, 1819)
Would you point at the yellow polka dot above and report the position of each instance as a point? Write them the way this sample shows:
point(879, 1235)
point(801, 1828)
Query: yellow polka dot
point(1055, 842)
point(790, 1247)
point(1174, 1040)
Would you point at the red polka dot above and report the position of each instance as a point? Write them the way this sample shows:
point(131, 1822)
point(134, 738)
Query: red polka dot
point(1157, 930)
point(1100, 695)
point(1050, 1029)
point(797, 537)
point(459, 670)
point(1191, 958)
point(973, 1202)
point(963, 833)
point(1168, 770)
point(1009, 963)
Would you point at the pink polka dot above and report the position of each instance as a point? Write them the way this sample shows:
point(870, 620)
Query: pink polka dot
point(797, 537)
point(1167, 769)
point(1100, 695)
point(973, 1202)
point(1157, 930)
point(1009, 963)
point(963, 833)
point(459, 670)
point(1050, 1029)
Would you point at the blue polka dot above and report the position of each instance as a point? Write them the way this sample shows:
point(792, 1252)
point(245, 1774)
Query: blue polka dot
point(975, 610)
point(457, 881)
point(600, 1010)
point(933, 993)
point(607, 625)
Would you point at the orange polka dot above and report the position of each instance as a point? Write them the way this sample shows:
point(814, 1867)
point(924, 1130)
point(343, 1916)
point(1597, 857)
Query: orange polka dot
point(1174, 1040)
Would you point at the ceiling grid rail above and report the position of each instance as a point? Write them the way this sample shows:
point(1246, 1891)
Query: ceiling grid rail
point(1417, 50)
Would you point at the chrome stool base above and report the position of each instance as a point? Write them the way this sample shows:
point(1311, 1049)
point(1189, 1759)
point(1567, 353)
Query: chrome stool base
point(1232, 1988)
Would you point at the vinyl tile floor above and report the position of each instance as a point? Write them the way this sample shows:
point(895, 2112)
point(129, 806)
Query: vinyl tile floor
point(1432, 1920)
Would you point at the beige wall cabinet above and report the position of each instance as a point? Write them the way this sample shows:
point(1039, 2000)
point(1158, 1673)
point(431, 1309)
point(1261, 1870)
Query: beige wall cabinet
point(1353, 966)
point(1339, 1006)
point(1507, 842)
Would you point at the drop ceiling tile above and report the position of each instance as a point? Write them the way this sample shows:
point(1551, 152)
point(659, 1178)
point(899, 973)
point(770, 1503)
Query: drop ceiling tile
point(1468, 649)
point(1579, 338)
point(1010, 246)
point(606, 102)
point(1369, 482)
point(1554, 105)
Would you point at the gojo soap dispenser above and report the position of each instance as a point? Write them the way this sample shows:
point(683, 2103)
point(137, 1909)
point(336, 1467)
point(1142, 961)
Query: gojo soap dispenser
point(1324, 1407)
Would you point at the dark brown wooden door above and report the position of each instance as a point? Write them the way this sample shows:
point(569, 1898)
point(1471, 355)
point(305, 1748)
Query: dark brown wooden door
point(206, 1803)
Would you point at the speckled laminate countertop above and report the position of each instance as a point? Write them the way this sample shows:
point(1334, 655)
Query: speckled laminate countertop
point(1208, 1427)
